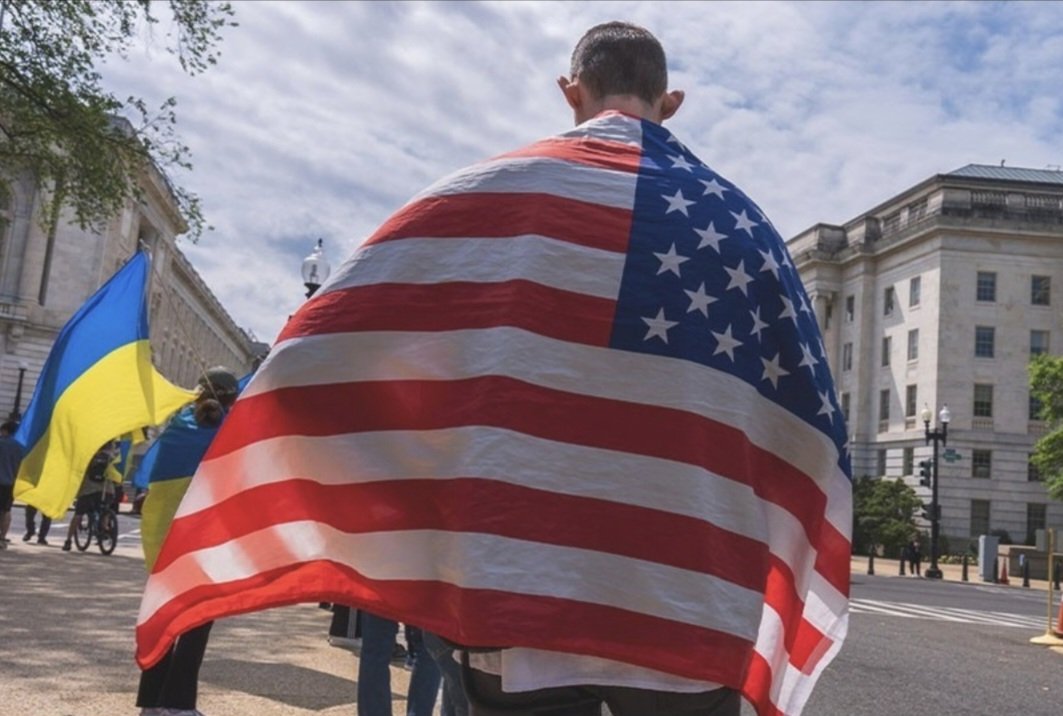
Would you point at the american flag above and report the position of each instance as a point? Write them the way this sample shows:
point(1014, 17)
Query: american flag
point(573, 398)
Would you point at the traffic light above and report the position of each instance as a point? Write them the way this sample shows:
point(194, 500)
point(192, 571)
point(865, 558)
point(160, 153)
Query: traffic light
point(924, 472)
point(929, 514)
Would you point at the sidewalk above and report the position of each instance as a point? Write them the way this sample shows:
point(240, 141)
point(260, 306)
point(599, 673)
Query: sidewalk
point(949, 572)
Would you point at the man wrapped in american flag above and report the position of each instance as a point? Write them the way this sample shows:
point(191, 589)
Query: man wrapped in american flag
point(569, 408)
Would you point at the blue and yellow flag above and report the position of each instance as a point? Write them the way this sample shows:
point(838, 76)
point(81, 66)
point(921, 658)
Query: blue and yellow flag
point(97, 384)
point(168, 467)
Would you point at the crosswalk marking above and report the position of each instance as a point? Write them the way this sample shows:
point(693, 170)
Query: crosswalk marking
point(945, 614)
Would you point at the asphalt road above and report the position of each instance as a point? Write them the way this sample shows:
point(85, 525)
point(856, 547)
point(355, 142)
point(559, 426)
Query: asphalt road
point(66, 620)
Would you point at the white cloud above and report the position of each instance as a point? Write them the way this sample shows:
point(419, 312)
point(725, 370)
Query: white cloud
point(322, 118)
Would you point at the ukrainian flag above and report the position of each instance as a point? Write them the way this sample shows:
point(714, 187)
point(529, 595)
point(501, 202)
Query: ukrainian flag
point(167, 469)
point(97, 383)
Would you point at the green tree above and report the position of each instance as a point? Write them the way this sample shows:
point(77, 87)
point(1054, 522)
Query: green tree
point(883, 514)
point(81, 143)
point(1046, 385)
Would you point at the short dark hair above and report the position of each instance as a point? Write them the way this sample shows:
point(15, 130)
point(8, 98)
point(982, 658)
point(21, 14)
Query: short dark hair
point(9, 427)
point(621, 58)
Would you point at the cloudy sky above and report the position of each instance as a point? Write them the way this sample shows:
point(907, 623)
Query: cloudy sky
point(322, 118)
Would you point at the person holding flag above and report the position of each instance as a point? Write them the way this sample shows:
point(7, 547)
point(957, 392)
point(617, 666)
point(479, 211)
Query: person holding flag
point(569, 409)
point(170, 687)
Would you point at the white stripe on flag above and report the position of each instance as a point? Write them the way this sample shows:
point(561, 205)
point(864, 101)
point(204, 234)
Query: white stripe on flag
point(541, 175)
point(542, 260)
point(468, 560)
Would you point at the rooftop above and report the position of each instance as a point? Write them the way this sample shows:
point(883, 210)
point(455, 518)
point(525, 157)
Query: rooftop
point(987, 171)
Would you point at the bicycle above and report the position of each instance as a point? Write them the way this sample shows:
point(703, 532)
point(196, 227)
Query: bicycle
point(100, 523)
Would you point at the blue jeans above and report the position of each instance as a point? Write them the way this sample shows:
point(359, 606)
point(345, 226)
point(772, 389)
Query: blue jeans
point(454, 701)
point(374, 672)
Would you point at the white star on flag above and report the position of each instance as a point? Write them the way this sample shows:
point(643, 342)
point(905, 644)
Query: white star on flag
point(744, 223)
point(681, 162)
point(710, 237)
point(827, 408)
point(805, 308)
point(770, 264)
point(739, 278)
point(699, 300)
point(788, 310)
point(725, 343)
point(713, 187)
point(670, 261)
point(772, 370)
point(758, 325)
point(674, 140)
point(809, 360)
point(659, 326)
point(678, 202)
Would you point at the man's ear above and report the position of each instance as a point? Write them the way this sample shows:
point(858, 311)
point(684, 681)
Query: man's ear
point(670, 103)
point(570, 88)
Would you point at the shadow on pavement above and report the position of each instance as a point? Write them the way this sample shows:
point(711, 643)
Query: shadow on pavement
point(293, 685)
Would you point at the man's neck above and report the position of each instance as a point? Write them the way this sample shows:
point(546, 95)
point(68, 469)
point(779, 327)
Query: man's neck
point(625, 103)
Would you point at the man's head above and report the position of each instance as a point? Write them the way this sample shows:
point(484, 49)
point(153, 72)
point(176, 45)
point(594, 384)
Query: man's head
point(8, 428)
point(218, 388)
point(617, 65)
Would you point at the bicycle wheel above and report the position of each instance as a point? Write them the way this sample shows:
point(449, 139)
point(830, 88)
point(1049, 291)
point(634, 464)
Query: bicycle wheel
point(107, 534)
point(83, 531)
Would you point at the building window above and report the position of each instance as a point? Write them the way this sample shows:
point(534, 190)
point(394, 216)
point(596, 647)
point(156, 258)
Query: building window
point(847, 357)
point(850, 309)
point(984, 341)
point(910, 400)
point(914, 290)
point(1035, 519)
point(981, 463)
point(983, 400)
point(887, 344)
point(884, 405)
point(909, 461)
point(1039, 290)
point(1038, 343)
point(987, 286)
point(1033, 474)
point(1035, 408)
point(979, 517)
point(845, 406)
point(5, 211)
point(881, 454)
point(913, 344)
point(887, 301)
point(828, 314)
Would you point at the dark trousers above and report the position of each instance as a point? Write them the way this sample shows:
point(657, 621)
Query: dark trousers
point(31, 523)
point(174, 681)
point(340, 624)
point(486, 698)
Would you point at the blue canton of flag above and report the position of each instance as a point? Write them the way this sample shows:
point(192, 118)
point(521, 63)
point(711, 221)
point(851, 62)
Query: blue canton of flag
point(708, 279)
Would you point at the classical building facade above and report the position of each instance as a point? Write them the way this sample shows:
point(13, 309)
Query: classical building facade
point(940, 296)
point(46, 276)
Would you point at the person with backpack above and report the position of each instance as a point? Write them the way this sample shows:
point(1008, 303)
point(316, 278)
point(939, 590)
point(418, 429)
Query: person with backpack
point(90, 495)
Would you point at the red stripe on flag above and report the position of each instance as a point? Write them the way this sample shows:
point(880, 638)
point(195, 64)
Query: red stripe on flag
point(500, 215)
point(459, 615)
point(482, 506)
point(590, 152)
point(757, 687)
point(551, 312)
point(802, 639)
point(499, 401)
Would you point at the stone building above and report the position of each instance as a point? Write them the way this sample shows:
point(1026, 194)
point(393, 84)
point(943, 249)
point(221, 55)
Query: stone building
point(938, 296)
point(45, 277)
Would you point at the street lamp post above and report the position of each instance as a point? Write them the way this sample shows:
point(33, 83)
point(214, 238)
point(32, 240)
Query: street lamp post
point(16, 412)
point(315, 268)
point(938, 436)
